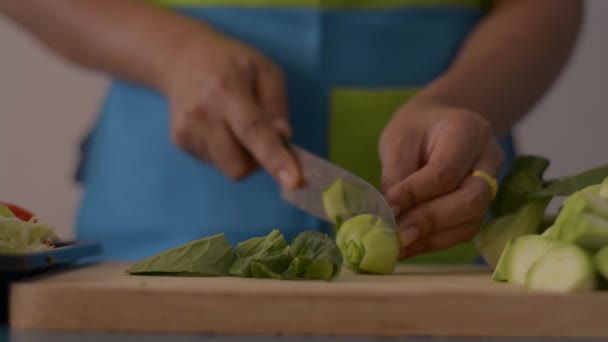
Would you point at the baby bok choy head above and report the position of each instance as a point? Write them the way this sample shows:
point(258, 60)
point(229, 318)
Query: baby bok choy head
point(368, 244)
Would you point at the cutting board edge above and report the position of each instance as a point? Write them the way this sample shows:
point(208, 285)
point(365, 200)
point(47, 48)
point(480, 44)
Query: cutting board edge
point(423, 315)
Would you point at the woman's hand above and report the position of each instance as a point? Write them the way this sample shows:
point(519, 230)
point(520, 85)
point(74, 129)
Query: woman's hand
point(428, 154)
point(229, 108)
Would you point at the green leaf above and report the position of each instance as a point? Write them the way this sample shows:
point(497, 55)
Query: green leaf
point(566, 186)
point(315, 256)
point(260, 270)
point(271, 251)
point(210, 256)
point(523, 178)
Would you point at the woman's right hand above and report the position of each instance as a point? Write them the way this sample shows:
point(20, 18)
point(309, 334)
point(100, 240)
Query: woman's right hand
point(229, 108)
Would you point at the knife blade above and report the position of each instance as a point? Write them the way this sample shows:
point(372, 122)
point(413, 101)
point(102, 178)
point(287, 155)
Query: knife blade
point(318, 174)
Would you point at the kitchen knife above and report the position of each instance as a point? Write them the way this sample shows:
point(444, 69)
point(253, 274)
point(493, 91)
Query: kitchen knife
point(318, 174)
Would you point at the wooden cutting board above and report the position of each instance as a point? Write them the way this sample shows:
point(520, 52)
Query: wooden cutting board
point(417, 300)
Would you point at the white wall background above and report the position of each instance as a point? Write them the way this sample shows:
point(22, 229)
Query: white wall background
point(46, 107)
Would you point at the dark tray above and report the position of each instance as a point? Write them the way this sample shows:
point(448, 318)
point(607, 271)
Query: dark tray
point(65, 253)
point(15, 267)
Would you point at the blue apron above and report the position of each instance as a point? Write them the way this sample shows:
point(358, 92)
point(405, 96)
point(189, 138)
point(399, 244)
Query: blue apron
point(349, 64)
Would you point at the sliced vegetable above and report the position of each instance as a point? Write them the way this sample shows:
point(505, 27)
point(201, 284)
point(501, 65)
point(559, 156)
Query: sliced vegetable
point(210, 256)
point(595, 204)
point(589, 231)
point(600, 261)
point(550, 232)
point(522, 255)
point(315, 256)
point(550, 252)
point(496, 233)
point(343, 198)
point(569, 214)
point(17, 211)
point(500, 271)
point(563, 268)
point(523, 177)
point(271, 251)
point(18, 236)
point(368, 244)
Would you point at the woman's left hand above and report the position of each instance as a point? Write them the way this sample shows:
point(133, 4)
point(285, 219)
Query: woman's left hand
point(429, 152)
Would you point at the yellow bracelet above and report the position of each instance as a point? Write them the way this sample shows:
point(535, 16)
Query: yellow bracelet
point(491, 181)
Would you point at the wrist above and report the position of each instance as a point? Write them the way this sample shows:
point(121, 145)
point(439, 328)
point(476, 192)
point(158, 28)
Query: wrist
point(445, 93)
point(176, 47)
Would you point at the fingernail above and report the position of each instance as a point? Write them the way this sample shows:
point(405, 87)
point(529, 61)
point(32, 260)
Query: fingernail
point(408, 236)
point(286, 179)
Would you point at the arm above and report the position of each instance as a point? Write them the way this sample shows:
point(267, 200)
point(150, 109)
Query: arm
point(127, 38)
point(510, 60)
point(227, 101)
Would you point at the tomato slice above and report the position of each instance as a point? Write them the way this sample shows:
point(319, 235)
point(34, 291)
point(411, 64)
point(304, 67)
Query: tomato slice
point(20, 212)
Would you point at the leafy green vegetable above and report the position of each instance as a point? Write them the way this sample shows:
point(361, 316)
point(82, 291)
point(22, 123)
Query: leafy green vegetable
point(343, 198)
point(368, 244)
point(523, 254)
point(600, 261)
point(501, 271)
point(17, 236)
point(523, 178)
point(209, 256)
point(312, 255)
point(271, 251)
point(583, 219)
point(568, 185)
point(496, 233)
point(315, 256)
point(522, 199)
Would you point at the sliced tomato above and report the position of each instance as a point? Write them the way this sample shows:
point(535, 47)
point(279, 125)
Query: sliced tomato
point(20, 212)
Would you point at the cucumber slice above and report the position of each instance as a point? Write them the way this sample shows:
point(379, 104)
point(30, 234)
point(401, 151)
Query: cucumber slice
point(563, 268)
point(601, 262)
point(524, 252)
point(500, 272)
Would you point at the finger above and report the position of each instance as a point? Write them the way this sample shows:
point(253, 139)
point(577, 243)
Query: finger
point(469, 202)
point(226, 153)
point(450, 160)
point(271, 91)
point(445, 239)
point(399, 157)
point(254, 130)
point(182, 136)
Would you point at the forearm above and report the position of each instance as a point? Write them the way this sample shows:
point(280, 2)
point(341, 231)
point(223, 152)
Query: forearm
point(127, 38)
point(510, 60)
